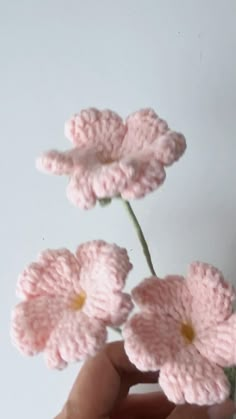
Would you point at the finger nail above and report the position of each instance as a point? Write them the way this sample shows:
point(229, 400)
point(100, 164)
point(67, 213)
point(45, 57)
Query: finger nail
point(222, 411)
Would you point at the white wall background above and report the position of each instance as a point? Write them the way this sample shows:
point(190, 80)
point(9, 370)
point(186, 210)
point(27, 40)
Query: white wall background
point(58, 56)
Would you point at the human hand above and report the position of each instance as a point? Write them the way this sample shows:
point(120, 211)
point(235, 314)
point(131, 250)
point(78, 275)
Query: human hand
point(101, 392)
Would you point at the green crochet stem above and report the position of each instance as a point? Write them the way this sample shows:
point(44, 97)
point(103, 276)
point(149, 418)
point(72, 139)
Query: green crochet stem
point(107, 201)
point(231, 375)
point(140, 236)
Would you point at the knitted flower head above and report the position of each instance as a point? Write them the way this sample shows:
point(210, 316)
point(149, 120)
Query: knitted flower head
point(69, 300)
point(111, 158)
point(186, 330)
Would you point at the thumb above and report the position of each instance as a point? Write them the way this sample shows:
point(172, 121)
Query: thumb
point(222, 411)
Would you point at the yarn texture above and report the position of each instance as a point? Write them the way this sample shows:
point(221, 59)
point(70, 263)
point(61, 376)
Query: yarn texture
point(187, 330)
point(69, 300)
point(112, 158)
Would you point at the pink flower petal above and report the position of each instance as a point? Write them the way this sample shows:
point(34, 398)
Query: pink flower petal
point(74, 339)
point(218, 343)
point(110, 180)
point(146, 131)
point(191, 378)
point(149, 176)
point(80, 192)
point(104, 267)
point(97, 182)
point(112, 308)
point(129, 178)
point(151, 340)
point(168, 297)
point(143, 128)
point(212, 295)
point(169, 147)
point(55, 273)
point(102, 130)
point(33, 321)
point(56, 162)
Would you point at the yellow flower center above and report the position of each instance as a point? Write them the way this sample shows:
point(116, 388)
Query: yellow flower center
point(188, 332)
point(78, 301)
point(105, 159)
point(108, 161)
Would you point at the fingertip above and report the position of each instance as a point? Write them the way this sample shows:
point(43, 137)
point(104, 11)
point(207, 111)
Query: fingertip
point(222, 411)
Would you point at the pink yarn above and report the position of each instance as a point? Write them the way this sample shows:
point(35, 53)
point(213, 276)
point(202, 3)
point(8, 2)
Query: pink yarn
point(111, 158)
point(69, 300)
point(186, 330)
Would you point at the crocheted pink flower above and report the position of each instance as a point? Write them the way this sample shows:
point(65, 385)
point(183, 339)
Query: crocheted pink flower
point(111, 158)
point(187, 331)
point(69, 302)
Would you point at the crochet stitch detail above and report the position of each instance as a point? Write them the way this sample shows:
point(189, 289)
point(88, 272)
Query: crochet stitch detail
point(113, 158)
point(186, 330)
point(69, 300)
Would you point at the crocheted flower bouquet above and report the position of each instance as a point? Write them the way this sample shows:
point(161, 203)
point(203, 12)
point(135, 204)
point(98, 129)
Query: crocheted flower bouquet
point(185, 329)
